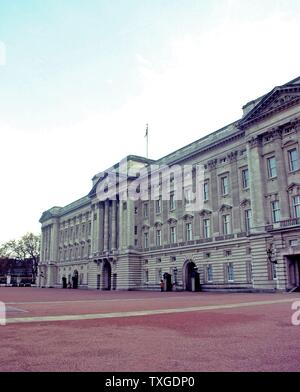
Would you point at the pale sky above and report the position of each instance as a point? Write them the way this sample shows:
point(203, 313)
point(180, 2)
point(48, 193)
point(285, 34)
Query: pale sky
point(80, 80)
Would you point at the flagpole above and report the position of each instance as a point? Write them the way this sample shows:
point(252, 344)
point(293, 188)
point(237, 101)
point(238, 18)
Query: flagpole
point(147, 142)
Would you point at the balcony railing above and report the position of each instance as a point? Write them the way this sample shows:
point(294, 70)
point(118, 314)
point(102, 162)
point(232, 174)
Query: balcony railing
point(290, 222)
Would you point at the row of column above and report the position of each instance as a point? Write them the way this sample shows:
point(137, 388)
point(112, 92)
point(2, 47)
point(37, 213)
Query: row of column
point(104, 226)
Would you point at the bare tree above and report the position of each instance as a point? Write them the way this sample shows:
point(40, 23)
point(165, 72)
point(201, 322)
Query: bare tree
point(26, 248)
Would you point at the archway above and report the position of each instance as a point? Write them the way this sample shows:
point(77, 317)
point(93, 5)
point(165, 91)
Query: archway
point(189, 271)
point(106, 275)
point(64, 282)
point(75, 279)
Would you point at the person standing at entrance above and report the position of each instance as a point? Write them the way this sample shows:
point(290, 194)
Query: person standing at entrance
point(162, 285)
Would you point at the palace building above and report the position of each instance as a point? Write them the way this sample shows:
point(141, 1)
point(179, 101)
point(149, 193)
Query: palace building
point(245, 236)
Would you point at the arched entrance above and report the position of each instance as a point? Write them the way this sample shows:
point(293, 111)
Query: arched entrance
point(106, 275)
point(189, 270)
point(75, 280)
point(64, 282)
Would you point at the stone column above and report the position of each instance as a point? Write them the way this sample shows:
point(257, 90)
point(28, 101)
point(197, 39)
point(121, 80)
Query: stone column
point(257, 184)
point(113, 225)
point(101, 227)
point(281, 176)
point(95, 231)
point(106, 226)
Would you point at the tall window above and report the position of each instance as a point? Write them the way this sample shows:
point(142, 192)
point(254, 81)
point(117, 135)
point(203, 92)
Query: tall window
point(230, 272)
point(296, 203)
point(188, 231)
point(146, 276)
point(205, 191)
point(158, 275)
point(158, 206)
point(146, 240)
point(173, 235)
point(146, 210)
point(226, 224)
point(209, 271)
point(172, 201)
point(293, 159)
point(245, 178)
point(188, 196)
point(224, 185)
point(248, 219)
point(271, 164)
point(158, 237)
point(206, 228)
point(275, 211)
point(90, 228)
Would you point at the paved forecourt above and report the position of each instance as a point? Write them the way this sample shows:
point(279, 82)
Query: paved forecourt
point(56, 330)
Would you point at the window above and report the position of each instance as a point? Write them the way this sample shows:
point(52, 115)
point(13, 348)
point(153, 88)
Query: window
point(230, 272)
point(188, 196)
point(271, 164)
point(205, 191)
point(173, 234)
point(226, 224)
point(209, 271)
point(172, 201)
point(135, 242)
point(158, 275)
point(188, 232)
point(227, 253)
point(273, 271)
point(89, 250)
point(146, 210)
point(82, 251)
point(83, 230)
point(248, 219)
point(293, 242)
point(293, 159)
point(158, 206)
point(135, 230)
point(158, 237)
point(158, 260)
point(249, 271)
point(135, 210)
point(146, 237)
point(245, 178)
point(173, 259)
point(224, 186)
point(296, 204)
point(275, 211)
point(206, 228)
point(146, 276)
point(90, 228)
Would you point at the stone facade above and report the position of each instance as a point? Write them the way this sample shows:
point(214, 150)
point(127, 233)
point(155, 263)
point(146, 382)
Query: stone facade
point(245, 237)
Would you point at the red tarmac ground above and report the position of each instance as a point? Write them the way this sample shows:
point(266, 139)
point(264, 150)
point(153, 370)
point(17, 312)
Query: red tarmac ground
point(76, 330)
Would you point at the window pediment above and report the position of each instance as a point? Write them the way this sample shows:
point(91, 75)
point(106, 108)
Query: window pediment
point(188, 217)
point(172, 221)
point(205, 212)
point(225, 208)
point(294, 188)
point(245, 203)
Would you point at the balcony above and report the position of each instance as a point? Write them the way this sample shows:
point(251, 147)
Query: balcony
point(290, 222)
